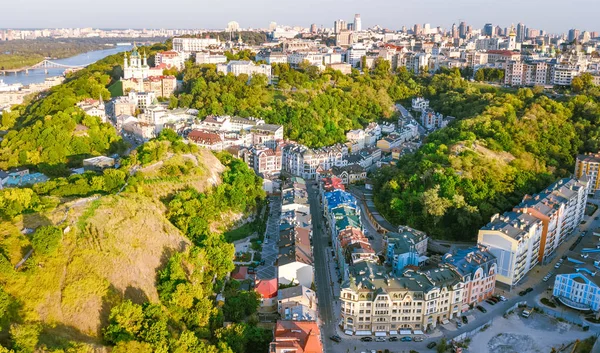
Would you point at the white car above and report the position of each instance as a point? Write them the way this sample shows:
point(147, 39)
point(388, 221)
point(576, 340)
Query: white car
point(503, 298)
point(379, 339)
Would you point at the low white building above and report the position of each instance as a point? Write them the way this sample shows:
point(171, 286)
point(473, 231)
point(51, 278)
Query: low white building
point(239, 67)
point(208, 58)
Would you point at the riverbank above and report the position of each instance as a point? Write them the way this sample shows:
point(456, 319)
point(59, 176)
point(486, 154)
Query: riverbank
point(24, 53)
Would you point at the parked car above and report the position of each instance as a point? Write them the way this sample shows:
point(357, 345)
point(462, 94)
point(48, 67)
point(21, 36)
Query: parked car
point(522, 293)
point(336, 338)
point(393, 339)
point(367, 339)
point(431, 345)
point(458, 324)
point(491, 302)
point(546, 278)
point(465, 320)
point(406, 339)
point(481, 308)
point(529, 290)
point(494, 299)
point(503, 298)
point(418, 339)
point(379, 339)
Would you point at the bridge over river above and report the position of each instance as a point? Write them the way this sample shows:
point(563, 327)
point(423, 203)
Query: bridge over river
point(44, 65)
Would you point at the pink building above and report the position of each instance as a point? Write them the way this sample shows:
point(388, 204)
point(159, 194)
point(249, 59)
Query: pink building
point(478, 268)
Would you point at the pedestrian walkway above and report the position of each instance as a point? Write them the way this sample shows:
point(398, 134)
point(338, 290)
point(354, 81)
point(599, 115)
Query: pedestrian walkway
point(270, 249)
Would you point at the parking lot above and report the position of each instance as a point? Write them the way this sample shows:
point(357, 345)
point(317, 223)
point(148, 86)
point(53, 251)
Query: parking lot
point(270, 249)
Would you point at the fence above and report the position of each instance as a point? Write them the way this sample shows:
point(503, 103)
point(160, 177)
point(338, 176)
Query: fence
point(463, 336)
point(562, 315)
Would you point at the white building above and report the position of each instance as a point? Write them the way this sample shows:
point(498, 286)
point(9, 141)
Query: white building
point(170, 59)
point(420, 104)
point(313, 58)
point(239, 67)
point(192, 45)
point(514, 238)
point(355, 54)
point(207, 58)
point(136, 66)
point(301, 161)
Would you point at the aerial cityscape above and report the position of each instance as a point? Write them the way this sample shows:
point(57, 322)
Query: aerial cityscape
point(277, 182)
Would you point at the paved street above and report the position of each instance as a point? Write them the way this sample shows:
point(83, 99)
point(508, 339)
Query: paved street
point(270, 249)
point(322, 276)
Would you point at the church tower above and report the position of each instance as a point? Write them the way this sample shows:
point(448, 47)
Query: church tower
point(512, 38)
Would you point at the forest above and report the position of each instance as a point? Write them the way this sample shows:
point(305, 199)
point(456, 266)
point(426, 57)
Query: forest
point(506, 144)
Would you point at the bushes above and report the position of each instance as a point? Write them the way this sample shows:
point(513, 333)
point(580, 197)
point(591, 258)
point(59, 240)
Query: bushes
point(46, 240)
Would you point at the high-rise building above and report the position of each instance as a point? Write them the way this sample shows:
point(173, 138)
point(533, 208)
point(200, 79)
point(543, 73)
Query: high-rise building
point(573, 34)
point(233, 26)
point(454, 33)
point(521, 29)
point(313, 28)
point(417, 29)
point(357, 23)
point(338, 26)
point(462, 30)
point(350, 27)
point(488, 30)
point(498, 31)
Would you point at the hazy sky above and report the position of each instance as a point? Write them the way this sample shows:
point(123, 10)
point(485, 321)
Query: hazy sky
point(551, 15)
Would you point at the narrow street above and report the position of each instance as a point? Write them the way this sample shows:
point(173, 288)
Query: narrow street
point(322, 279)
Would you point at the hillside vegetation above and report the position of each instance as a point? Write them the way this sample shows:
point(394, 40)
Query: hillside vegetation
point(512, 144)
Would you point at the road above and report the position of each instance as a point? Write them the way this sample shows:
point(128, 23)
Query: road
point(322, 279)
point(270, 248)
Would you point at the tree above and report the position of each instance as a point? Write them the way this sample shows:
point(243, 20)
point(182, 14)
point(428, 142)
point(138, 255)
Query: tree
point(480, 75)
point(442, 346)
point(125, 322)
point(133, 347)
point(46, 240)
point(577, 84)
point(25, 337)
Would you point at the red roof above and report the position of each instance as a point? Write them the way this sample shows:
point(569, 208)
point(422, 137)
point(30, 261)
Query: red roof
point(207, 138)
point(503, 52)
point(240, 273)
point(267, 288)
point(300, 336)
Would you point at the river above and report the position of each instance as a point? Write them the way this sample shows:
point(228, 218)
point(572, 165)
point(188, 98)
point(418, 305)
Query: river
point(38, 76)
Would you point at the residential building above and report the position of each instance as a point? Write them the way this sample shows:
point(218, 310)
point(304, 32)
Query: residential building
point(514, 239)
point(193, 45)
point(121, 106)
point(20, 177)
point(478, 268)
point(301, 161)
point(206, 139)
point(267, 290)
point(170, 59)
point(295, 259)
point(355, 54)
point(431, 120)
point(560, 208)
point(272, 56)
point(94, 107)
point(267, 134)
point(296, 337)
point(297, 303)
point(239, 67)
point(374, 303)
point(98, 163)
point(265, 161)
point(420, 104)
point(407, 247)
point(350, 174)
point(579, 290)
point(587, 165)
point(208, 58)
point(310, 57)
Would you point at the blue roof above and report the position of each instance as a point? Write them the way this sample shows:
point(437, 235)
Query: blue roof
point(338, 197)
point(27, 179)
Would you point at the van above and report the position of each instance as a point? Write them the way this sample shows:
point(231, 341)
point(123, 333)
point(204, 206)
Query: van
point(526, 312)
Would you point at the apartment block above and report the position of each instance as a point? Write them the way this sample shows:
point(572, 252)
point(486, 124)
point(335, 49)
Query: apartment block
point(374, 303)
point(587, 166)
point(514, 238)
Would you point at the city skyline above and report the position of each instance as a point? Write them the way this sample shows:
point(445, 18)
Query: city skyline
point(116, 14)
